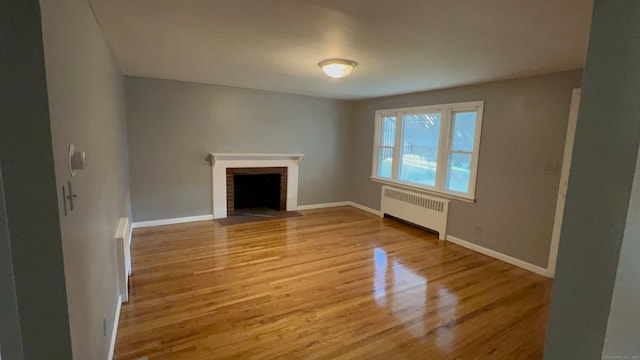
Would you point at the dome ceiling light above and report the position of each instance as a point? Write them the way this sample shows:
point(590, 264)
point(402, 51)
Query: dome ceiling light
point(337, 68)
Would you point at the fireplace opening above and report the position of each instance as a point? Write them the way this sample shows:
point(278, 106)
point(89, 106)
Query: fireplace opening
point(256, 191)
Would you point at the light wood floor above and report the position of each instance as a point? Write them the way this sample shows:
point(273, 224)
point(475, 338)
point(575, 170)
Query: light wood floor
point(334, 284)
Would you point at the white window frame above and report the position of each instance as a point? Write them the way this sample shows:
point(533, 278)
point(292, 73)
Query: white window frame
point(447, 112)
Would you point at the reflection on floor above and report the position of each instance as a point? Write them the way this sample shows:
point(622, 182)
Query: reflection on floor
point(334, 284)
point(399, 297)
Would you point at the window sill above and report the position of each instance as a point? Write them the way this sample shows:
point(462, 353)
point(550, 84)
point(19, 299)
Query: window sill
point(421, 189)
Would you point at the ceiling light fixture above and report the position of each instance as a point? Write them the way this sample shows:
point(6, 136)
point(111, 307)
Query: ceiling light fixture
point(337, 68)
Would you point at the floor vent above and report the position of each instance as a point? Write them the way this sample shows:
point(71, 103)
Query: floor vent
point(420, 209)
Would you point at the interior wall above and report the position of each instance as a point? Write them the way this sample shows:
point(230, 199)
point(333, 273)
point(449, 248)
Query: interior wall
point(623, 327)
point(32, 227)
point(521, 148)
point(602, 173)
point(86, 99)
point(10, 337)
point(174, 125)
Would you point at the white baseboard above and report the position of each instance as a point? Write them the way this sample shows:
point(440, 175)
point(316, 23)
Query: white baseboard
point(142, 224)
point(150, 223)
point(365, 208)
point(324, 205)
point(500, 256)
point(114, 331)
point(340, 203)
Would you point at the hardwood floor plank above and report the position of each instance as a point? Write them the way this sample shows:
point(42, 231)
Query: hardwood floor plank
point(334, 284)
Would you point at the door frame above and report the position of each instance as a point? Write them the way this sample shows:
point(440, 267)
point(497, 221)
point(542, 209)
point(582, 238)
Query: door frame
point(564, 181)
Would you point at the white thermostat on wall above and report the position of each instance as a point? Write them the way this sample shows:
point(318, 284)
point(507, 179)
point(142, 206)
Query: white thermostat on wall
point(77, 160)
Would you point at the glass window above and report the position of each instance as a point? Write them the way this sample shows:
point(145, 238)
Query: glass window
point(435, 147)
point(385, 150)
point(420, 139)
point(461, 154)
point(464, 130)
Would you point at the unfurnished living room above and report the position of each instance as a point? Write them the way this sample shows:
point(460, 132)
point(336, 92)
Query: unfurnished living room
point(319, 179)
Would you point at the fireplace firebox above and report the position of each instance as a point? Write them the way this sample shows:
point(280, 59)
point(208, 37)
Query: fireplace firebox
point(256, 187)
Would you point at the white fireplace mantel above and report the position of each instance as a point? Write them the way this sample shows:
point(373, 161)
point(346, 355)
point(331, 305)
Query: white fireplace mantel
point(221, 161)
point(254, 156)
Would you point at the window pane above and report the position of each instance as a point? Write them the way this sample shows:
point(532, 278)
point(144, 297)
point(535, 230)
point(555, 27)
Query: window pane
point(464, 129)
point(385, 160)
point(388, 131)
point(458, 172)
point(420, 138)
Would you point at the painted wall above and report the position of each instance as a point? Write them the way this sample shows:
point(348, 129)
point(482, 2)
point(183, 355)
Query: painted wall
point(86, 98)
point(28, 183)
point(623, 329)
point(174, 125)
point(602, 172)
point(10, 337)
point(521, 150)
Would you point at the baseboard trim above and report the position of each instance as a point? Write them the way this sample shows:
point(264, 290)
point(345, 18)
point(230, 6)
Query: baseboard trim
point(365, 208)
point(143, 224)
point(181, 220)
point(324, 205)
point(114, 331)
point(500, 256)
point(340, 203)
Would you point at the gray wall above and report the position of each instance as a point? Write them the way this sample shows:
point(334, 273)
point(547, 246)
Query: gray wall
point(30, 191)
point(523, 136)
point(86, 98)
point(623, 329)
point(173, 125)
point(10, 337)
point(602, 171)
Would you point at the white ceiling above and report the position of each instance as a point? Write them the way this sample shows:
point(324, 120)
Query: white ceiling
point(401, 45)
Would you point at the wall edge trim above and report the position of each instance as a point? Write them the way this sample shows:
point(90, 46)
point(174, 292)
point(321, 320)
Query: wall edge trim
point(180, 220)
point(500, 256)
point(366, 208)
point(114, 331)
point(323, 205)
point(338, 204)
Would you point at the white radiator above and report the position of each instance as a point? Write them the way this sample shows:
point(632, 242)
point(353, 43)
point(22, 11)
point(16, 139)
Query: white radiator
point(420, 209)
point(123, 241)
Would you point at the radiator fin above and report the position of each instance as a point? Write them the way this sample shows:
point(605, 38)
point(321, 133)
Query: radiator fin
point(427, 203)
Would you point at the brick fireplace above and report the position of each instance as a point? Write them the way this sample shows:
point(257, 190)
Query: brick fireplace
point(224, 166)
point(256, 187)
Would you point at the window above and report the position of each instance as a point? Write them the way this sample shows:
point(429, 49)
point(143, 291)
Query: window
point(433, 148)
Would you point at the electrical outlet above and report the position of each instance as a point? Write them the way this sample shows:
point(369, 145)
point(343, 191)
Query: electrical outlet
point(477, 230)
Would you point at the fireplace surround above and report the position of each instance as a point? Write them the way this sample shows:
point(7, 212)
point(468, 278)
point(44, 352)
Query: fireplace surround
point(221, 163)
